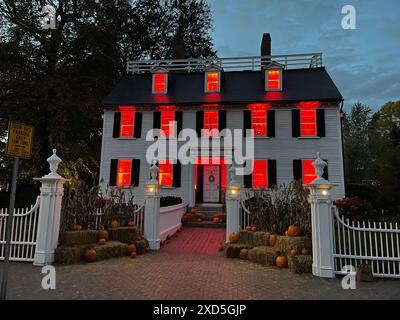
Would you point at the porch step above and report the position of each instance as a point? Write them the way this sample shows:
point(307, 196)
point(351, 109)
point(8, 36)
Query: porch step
point(204, 224)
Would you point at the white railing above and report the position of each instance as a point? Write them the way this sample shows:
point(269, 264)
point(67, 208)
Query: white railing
point(289, 61)
point(171, 220)
point(23, 232)
point(137, 216)
point(245, 218)
point(374, 243)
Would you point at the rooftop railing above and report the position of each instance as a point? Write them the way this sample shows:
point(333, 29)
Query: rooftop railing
point(289, 61)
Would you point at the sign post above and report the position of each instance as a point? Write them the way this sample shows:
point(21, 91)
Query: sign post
point(19, 145)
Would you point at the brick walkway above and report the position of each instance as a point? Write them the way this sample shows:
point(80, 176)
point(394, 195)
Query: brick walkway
point(187, 267)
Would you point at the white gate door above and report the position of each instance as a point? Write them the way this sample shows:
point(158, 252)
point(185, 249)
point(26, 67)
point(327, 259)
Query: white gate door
point(23, 232)
point(211, 183)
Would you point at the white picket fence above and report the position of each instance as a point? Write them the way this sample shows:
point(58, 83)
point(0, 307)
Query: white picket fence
point(245, 218)
point(23, 232)
point(377, 244)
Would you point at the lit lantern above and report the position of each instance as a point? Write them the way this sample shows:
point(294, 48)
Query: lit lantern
point(233, 191)
point(152, 189)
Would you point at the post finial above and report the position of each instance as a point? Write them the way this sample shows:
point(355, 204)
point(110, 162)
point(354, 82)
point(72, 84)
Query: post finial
point(319, 166)
point(54, 161)
point(232, 175)
point(154, 172)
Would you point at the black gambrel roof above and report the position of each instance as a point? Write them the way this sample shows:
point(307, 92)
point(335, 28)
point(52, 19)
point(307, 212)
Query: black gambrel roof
point(236, 87)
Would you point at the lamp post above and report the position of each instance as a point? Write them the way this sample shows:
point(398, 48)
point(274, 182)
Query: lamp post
point(321, 222)
point(233, 192)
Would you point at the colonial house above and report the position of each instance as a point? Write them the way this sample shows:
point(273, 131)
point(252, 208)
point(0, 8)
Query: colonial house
point(289, 101)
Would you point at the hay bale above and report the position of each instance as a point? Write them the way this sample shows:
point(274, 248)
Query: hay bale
point(72, 238)
point(300, 263)
point(141, 246)
point(70, 254)
point(123, 234)
point(111, 249)
point(284, 244)
point(263, 255)
point(254, 239)
point(233, 249)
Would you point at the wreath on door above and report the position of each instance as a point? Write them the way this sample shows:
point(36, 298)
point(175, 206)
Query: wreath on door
point(211, 178)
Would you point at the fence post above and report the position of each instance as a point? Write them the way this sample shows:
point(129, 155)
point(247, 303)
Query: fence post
point(321, 222)
point(51, 193)
point(232, 204)
point(152, 210)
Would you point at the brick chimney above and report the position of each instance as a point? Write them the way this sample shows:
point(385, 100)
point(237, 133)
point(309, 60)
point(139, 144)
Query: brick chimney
point(266, 47)
point(178, 47)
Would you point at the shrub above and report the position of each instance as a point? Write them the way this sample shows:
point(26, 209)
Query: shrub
point(169, 201)
point(274, 210)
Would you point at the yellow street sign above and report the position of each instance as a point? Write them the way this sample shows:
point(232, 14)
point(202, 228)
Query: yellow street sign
point(19, 143)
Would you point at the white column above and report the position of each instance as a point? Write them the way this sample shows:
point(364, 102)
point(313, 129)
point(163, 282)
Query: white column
point(232, 204)
point(152, 210)
point(321, 223)
point(51, 193)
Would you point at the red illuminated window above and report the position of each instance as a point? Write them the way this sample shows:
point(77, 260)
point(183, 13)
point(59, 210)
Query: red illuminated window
point(260, 179)
point(259, 124)
point(308, 171)
point(210, 122)
point(167, 123)
point(127, 120)
point(274, 80)
point(124, 173)
point(159, 83)
point(308, 122)
point(165, 173)
point(212, 81)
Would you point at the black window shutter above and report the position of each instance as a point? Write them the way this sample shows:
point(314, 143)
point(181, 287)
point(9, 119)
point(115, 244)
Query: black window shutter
point(199, 122)
point(113, 172)
point(295, 123)
point(176, 174)
point(199, 189)
point(246, 121)
point(157, 120)
point(137, 128)
point(325, 174)
point(297, 170)
point(221, 120)
point(117, 124)
point(320, 122)
point(271, 173)
point(135, 172)
point(179, 121)
point(271, 123)
point(248, 180)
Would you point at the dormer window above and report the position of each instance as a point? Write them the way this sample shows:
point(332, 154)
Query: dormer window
point(212, 79)
point(160, 81)
point(273, 77)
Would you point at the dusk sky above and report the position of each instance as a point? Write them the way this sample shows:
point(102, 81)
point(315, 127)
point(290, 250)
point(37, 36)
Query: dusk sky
point(364, 63)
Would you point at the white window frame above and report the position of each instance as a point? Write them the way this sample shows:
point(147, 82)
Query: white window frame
point(280, 79)
point(219, 80)
point(166, 82)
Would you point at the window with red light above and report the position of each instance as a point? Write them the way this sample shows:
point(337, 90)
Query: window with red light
point(127, 121)
point(165, 173)
point(212, 81)
point(259, 122)
point(274, 80)
point(260, 179)
point(308, 123)
point(159, 83)
point(124, 173)
point(308, 171)
point(210, 122)
point(167, 123)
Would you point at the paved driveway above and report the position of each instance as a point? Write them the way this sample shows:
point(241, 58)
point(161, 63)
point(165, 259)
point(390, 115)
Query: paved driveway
point(188, 267)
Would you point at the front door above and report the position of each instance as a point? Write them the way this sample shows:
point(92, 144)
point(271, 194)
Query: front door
point(211, 183)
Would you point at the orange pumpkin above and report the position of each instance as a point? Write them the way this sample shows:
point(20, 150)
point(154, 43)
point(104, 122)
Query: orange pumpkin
point(193, 210)
point(293, 252)
point(248, 228)
point(102, 241)
point(281, 261)
point(304, 251)
point(77, 227)
point(254, 229)
point(215, 219)
point(272, 239)
point(131, 223)
point(221, 247)
point(90, 255)
point(233, 237)
point(199, 220)
point(131, 248)
point(244, 254)
point(114, 224)
point(185, 218)
point(103, 234)
point(133, 255)
point(293, 231)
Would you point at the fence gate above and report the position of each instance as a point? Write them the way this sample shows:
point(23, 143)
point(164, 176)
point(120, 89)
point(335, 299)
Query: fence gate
point(377, 244)
point(23, 233)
